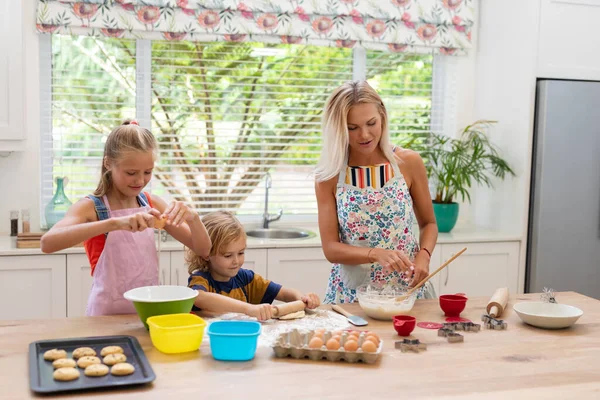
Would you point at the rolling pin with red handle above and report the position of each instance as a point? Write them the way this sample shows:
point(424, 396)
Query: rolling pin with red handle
point(497, 303)
point(287, 308)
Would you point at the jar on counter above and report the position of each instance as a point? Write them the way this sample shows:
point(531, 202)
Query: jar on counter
point(14, 223)
point(25, 221)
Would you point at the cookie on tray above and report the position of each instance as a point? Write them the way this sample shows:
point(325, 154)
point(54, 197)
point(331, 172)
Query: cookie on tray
point(115, 358)
point(86, 361)
point(64, 363)
point(122, 369)
point(111, 350)
point(55, 354)
point(83, 352)
point(66, 374)
point(96, 370)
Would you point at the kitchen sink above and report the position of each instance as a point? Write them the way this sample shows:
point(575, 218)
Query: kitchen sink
point(282, 233)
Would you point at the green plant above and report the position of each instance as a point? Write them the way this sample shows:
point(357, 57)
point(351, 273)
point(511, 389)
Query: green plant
point(454, 165)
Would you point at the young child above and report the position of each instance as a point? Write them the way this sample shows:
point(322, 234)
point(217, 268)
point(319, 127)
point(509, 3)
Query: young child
point(115, 223)
point(223, 285)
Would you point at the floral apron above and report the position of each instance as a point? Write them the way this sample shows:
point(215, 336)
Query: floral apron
point(381, 218)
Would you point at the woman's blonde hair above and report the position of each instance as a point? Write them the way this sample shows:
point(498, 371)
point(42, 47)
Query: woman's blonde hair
point(223, 228)
point(129, 136)
point(335, 127)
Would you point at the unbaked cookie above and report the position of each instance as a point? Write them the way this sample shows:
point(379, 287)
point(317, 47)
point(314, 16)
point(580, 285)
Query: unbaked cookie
point(122, 369)
point(55, 354)
point(111, 350)
point(66, 374)
point(64, 363)
point(96, 370)
point(86, 361)
point(115, 358)
point(83, 351)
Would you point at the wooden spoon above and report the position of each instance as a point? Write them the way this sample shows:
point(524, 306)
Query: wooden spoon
point(444, 265)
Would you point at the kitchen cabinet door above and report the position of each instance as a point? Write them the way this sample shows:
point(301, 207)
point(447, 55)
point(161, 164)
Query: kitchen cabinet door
point(305, 269)
point(255, 260)
point(33, 287)
point(480, 270)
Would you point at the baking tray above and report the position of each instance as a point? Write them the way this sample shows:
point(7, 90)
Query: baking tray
point(41, 379)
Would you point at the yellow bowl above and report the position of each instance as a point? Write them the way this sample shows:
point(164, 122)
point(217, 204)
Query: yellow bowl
point(176, 333)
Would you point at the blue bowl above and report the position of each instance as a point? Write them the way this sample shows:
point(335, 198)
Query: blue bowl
point(233, 340)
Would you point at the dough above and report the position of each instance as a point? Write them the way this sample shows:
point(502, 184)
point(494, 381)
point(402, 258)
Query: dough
point(115, 358)
point(64, 363)
point(66, 374)
point(83, 351)
point(96, 370)
point(122, 369)
point(54, 354)
point(111, 350)
point(294, 315)
point(86, 361)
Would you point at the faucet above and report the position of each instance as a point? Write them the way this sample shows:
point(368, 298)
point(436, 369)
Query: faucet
point(266, 217)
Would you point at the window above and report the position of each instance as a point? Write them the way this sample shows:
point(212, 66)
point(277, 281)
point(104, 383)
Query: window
point(224, 113)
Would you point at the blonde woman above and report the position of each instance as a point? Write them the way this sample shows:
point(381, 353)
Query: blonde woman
point(115, 223)
point(223, 285)
point(370, 195)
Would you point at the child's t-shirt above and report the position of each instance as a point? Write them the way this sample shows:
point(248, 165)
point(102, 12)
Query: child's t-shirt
point(246, 286)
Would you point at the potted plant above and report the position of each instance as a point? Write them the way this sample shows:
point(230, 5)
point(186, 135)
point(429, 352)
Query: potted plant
point(454, 165)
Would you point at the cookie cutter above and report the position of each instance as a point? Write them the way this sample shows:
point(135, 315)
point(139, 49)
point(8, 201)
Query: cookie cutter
point(413, 345)
point(493, 323)
point(451, 335)
point(462, 326)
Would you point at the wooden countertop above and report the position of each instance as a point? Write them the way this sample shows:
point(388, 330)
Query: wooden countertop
point(521, 362)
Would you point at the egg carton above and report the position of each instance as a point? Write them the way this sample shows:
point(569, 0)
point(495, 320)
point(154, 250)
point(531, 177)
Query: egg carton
point(295, 344)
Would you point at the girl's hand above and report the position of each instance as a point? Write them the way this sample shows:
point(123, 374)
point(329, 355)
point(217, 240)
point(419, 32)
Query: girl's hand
point(421, 268)
point(261, 312)
point(392, 259)
point(311, 300)
point(137, 222)
point(177, 213)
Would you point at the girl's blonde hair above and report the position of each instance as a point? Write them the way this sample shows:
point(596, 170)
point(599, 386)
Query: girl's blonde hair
point(335, 127)
point(129, 136)
point(223, 228)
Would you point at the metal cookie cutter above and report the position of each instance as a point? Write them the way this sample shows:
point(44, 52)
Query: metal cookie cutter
point(493, 323)
point(452, 336)
point(413, 345)
point(462, 326)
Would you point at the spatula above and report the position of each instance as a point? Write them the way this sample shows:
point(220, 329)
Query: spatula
point(353, 319)
point(444, 265)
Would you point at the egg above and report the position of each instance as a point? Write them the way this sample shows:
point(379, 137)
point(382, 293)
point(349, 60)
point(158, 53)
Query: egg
point(336, 337)
point(369, 346)
point(373, 339)
point(315, 343)
point(373, 334)
point(333, 344)
point(318, 335)
point(353, 337)
point(351, 345)
point(337, 333)
point(320, 330)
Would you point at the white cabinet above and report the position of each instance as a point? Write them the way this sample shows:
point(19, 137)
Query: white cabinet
point(11, 73)
point(33, 287)
point(480, 270)
point(305, 269)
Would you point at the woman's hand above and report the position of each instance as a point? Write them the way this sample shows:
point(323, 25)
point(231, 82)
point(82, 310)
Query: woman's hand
point(177, 213)
point(392, 259)
point(137, 222)
point(421, 268)
point(311, 300)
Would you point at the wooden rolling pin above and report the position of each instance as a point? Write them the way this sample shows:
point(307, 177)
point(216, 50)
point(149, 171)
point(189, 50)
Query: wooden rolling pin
point(497, 303)
point(287, 308)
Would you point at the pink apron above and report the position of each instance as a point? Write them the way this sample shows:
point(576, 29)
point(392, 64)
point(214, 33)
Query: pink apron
point(129, 260)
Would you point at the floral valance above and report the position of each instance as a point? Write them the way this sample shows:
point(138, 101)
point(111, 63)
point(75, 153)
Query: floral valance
point(442, 26)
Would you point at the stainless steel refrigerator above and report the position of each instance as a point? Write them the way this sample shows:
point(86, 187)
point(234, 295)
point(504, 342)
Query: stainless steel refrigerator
point(564, 221)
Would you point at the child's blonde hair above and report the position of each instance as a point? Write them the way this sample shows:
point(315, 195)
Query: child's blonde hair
point(223, 228)
point(335, 127)
point(129, 136)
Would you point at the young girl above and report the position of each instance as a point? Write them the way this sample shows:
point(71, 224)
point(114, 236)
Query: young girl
point(115, 223)
point(226, 287)
point(370, 194)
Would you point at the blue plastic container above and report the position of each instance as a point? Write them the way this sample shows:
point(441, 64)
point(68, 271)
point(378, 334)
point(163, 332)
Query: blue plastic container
point(233, 340)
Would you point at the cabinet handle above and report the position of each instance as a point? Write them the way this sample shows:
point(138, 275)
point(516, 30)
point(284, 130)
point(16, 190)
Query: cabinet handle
point(163, 277)
point(177, 277)
point(447, 276)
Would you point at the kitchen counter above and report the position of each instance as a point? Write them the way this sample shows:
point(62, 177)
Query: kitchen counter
point(461, 234)
point(521, 362)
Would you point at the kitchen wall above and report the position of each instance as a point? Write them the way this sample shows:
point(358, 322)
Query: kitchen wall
point(517, 41)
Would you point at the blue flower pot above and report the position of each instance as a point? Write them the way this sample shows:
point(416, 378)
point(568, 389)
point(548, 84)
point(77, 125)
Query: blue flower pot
point(446, 216)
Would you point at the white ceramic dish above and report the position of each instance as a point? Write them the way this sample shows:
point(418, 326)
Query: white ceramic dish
point(547, 315)
point(159, 294)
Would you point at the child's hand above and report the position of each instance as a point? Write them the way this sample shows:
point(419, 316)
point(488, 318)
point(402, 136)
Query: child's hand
point(311, 300)
point(177, 213)
point(137, 222)
point(262, 312)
